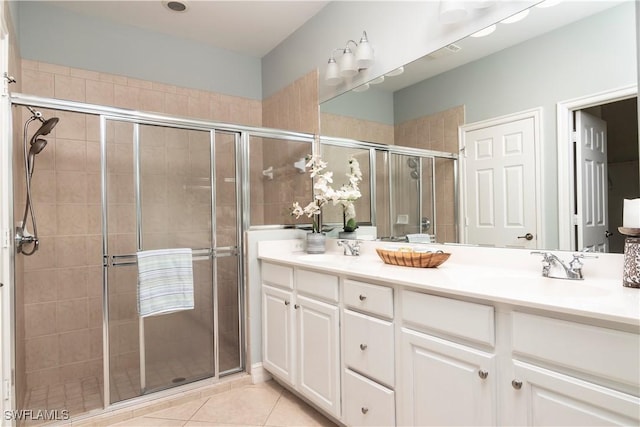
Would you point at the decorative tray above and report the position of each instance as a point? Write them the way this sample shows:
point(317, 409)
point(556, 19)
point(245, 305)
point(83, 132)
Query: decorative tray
point(406, 257)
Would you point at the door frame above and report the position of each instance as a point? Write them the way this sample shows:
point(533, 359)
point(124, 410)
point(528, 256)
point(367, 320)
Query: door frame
point(566, 155)
point(536, 115)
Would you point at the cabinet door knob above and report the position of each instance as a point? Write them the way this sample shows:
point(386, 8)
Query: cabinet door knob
point(296, 306)
point(364, 409)
point(517, 384)
point(362, 297)
point(483, 374)
point(286, 302)
point(363, 347)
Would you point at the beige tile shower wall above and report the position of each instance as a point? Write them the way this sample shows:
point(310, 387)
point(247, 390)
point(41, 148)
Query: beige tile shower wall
point(295, 107)
point(363, 130)
point(54, 81)
point(437, 132)
point(63, 281)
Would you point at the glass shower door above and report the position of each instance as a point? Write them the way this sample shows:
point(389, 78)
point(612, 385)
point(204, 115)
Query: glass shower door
point(163, 189)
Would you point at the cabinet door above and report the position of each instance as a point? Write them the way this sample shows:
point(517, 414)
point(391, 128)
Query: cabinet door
point(444, 383)
point(318, 353)
point(545, 397)
point(277, 333)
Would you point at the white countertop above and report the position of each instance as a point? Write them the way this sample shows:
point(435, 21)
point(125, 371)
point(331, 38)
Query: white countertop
point(510, 276)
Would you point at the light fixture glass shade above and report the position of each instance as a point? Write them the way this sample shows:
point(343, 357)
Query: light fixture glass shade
point(348, 66)
point(377, 80)
point(452, 11)
point(364, 53)
point(395, 72)
point(332, 76)
point(361, 88)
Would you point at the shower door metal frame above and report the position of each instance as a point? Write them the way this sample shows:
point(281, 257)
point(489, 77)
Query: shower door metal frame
point(242, 134)
point(212, 252)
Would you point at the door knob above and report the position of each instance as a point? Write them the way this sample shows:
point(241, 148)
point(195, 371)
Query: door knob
point(483, 374)
point(527, 236)
point(286, 302)
point(364, 409)
point(362, 297)
point(363, 347)
point(607, 234)
point(517, 384)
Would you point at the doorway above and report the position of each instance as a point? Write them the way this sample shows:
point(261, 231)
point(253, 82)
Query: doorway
point(620, 179)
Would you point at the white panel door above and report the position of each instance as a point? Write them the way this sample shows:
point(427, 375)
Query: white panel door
point(500, 186)
point(591, 181)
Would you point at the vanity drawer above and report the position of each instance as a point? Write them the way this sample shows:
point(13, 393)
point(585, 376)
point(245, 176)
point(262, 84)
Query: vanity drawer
point(471, 321)
point(368, 346)
point(367, 403)
point(594, 350)
point(374, 299)
point(324, 286)
point(278, 275)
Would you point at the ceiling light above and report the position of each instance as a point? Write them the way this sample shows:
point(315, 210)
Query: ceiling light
point(485, 31)
point(395, 72)
point(377, 81)
point(175, 5)
point(515, 18)
point(350, 63)
point(361, 88)
point(452, 11)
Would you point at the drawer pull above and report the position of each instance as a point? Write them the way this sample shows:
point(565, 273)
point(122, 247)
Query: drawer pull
point(296, 306)
point(364, 409)
point(286, 302)
point(483, 374)
point(363, 347)
point(517, 384)
point(362, 297)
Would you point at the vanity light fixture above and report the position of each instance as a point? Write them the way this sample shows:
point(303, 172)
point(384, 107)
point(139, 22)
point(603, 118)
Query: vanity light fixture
point(484, 32)
point(377, 80)
point(350, 63)
point(361, 88)
point(395, 72)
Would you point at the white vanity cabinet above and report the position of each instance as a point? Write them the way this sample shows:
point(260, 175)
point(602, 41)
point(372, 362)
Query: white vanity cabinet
point(300, 332)
point(570, 373)
point(443, 382)
point(369, 354)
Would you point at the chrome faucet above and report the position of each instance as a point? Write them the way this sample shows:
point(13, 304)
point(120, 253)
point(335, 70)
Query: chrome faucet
point(572, 271)
point(351, 247)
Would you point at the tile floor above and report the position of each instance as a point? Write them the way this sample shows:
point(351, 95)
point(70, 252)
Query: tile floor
point(264, 404)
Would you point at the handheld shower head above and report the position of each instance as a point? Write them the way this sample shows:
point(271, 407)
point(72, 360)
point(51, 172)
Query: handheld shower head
point(45, 129)
point(37, 146)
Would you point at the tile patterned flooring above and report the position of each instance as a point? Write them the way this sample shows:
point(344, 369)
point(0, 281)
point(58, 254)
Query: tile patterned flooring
point(264, 404)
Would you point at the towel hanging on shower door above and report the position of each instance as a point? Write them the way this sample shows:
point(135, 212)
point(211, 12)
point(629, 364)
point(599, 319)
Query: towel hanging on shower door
point(165, 281)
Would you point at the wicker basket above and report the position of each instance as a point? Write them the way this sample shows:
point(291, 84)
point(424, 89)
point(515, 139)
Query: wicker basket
point(413, 259)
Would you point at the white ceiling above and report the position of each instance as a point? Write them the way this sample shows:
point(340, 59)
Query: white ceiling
point(252, 28)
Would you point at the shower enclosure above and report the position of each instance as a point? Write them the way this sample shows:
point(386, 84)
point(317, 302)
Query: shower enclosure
point(111, 183)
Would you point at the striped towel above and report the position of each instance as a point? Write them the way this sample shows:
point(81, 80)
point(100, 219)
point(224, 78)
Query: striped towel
point(165, 281)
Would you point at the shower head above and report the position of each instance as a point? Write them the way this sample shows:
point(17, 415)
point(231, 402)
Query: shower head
point(37, 146)
point(46, 128)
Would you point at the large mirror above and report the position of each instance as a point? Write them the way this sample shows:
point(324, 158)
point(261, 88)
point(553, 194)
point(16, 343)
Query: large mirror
point(554, 57)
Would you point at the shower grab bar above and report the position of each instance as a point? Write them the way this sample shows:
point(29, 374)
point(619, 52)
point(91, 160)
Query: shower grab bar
point(197, 254)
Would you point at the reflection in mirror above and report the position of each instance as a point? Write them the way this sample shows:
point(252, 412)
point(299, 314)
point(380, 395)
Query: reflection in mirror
point(574, 49)
point(277, 179)
point(337, 158)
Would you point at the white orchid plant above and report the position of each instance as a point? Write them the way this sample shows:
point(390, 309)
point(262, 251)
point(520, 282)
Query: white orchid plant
point(323, 193)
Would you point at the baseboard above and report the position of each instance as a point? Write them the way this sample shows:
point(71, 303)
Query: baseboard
point(259, 374)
